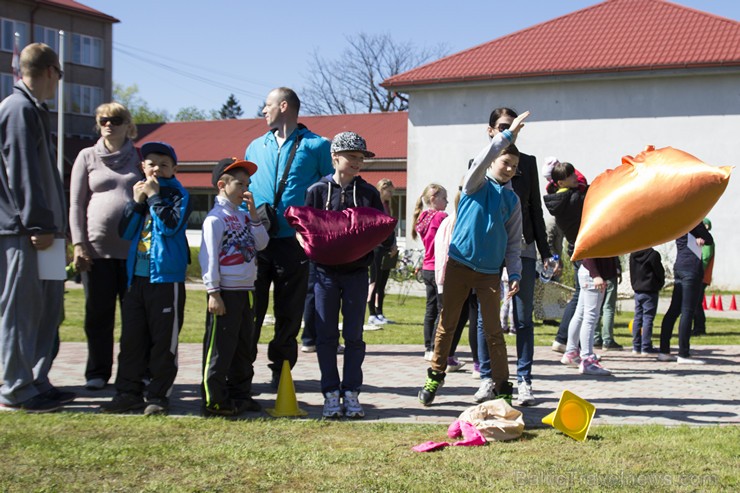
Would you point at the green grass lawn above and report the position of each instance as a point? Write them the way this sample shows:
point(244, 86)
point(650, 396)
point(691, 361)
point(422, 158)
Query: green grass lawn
point(86, 452)
point(409, 318)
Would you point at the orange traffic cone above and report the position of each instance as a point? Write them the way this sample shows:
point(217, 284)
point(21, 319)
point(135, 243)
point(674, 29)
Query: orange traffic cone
point(704, 302)
point(713, 303)
point(719, 303)
point(286, 404)
point(733, 304)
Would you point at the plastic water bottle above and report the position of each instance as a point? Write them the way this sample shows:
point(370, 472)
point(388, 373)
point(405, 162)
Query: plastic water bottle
point(548, 268)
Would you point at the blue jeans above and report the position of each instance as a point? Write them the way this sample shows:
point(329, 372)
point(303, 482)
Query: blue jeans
point(605, 330)
point(570, 308)
point(686, 293)
point(348, 291)
point(523, 308)
point(646, 306)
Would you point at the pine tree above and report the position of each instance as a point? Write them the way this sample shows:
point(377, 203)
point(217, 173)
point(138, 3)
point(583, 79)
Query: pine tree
point(231, 110)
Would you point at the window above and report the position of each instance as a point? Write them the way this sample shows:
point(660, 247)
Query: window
point(48, 36)
point(398, 210)
point(202, 202)
point(87, 50)
point(6, 85)
point(8, 28)
point(84, 99)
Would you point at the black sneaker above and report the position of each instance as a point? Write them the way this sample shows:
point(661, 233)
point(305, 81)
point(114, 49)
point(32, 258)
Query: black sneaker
point(435, 380)
point(123, 403)
point(63, 397)
point(506, 393)
point(598, 345)
point(222, 410)
point(613, 346)
point(275, 380)
point(38, 404)
point(247, 405)
point(156, 407)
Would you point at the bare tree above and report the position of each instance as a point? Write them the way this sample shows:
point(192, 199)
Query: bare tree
point(351, 83)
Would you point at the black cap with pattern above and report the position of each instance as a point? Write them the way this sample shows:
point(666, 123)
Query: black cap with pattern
point(350, 141)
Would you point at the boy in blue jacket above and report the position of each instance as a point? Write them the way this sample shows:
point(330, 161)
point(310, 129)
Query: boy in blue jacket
point(151, 316)
point(486, 235)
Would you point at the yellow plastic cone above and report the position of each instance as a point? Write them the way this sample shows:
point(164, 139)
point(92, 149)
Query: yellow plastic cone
point(286, 404)
point(573, 416)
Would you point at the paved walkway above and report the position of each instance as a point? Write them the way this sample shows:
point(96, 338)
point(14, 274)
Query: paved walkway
point(641, 391)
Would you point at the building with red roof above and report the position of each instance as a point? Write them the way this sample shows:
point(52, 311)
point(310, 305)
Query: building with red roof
point(601, 82)
point(201, 144)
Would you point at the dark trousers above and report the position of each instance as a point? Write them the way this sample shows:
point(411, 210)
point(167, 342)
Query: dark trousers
point(523, 320)
point(309, 309)
point(473, 324)
point(432, 309)
point(105, 286)
point(464, 317)
point(700, 318)
point(646, 306)
point(347, 292)
point(686, 292)
point(570, 308)
point(378, 280)
point(227, 369)
point(151, 321)
point(284, 265)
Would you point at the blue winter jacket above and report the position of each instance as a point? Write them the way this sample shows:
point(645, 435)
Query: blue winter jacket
point(312, 161)
point(488, 229)
point(169, 253)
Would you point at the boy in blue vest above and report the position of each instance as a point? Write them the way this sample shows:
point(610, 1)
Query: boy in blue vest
point(151, 316)
point(486, 235)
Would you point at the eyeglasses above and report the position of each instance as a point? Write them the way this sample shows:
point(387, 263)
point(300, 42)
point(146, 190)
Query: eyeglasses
point(60, 72)
point(502, 126)
point(113, 120)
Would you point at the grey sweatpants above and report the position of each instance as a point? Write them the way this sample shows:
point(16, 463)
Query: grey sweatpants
point(30, 314)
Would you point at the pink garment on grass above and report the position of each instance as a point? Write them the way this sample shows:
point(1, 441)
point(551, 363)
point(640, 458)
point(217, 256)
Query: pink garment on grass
point(472, 437)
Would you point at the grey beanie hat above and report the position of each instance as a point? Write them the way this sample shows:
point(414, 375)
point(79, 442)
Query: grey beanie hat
point(350, 141)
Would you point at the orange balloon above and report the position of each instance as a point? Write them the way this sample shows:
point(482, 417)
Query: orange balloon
point(652, 198)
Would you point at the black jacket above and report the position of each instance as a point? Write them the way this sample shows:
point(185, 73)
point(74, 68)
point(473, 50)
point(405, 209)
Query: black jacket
point(326, 194)
point(686, 260)
point(527, 187)
point(647, 274)
point(567, 209)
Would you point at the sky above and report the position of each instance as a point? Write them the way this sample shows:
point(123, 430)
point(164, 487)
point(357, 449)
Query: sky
point(189, 53)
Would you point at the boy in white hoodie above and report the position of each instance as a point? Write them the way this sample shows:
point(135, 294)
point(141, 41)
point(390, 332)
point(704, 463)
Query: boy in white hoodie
point(231, 239)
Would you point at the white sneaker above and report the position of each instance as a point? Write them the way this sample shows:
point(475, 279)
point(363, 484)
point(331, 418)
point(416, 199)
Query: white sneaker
point(590, 366)
point(454, 364)
point(665, 357)
point(571, 358)
point(486, 392)
point(332, 409)
point(524, 394)
point(690, 361)
point(308, 349)
point(558, 348)
point(374, 320)
point(352, 407)
point(382, 318)
point(340, 349)
point(428, 355)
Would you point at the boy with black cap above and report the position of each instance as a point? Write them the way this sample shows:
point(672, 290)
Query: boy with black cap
point(152, 312)
point(228, 253)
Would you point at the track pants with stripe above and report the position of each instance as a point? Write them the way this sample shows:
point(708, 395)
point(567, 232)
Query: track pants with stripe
point(151, 319)
point(227, 365)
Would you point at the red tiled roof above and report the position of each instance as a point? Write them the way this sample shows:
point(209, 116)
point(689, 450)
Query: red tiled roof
point(210, 141)
point(613, 36)
point(77, 6)
point(201, 179)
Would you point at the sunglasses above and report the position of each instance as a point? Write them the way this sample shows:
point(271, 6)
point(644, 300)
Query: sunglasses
point(502, 126)
point(60, 72)
point(116, 121)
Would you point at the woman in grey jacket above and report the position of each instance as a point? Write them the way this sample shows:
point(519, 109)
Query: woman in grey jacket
point(101, 184)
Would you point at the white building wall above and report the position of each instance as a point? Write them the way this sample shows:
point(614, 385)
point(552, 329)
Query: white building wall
point(591, 123)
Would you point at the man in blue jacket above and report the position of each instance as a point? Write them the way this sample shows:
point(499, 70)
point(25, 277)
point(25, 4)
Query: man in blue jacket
point(32, 216)
point(284, 263)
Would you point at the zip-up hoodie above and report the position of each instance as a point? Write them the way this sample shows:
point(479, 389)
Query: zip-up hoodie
point(328, 195)
point(169, 254)
point(427, 226)
point(567, 208)
point(312, 161)
point(228, 250)
point(31, 192)
point(488, 230)
point(647, 273)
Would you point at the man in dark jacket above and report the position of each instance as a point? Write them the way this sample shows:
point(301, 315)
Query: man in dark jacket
point(32, 216)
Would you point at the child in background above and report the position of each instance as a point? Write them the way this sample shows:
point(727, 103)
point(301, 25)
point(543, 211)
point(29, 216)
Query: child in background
point(487, 232)
point(604, 336)
point(647, 276)
point(707, 262)
point(507, 306)
point(342, 286)
point(152, 312)
point(228, 253)
point(426, 223)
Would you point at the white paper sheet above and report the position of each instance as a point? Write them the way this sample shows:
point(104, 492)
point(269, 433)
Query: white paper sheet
point(52, 262)
point(691, 243)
